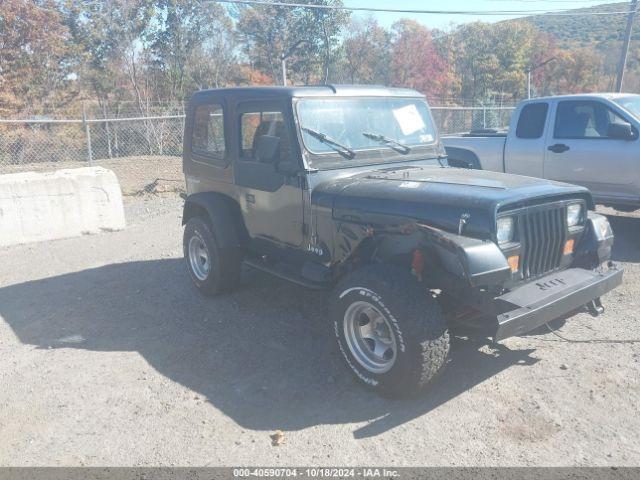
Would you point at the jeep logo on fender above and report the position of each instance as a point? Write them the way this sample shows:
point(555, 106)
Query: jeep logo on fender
point(556, 282)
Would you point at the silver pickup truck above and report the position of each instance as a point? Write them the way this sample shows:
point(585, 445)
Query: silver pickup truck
point(589, 140)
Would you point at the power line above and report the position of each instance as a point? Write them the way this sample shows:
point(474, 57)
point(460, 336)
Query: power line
point(545, 13)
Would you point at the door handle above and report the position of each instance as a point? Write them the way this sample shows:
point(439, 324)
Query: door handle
point(558, 148)
point(250, 198)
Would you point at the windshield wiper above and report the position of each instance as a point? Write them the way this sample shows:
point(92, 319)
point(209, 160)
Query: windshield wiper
point(394, 144)
point(334, 144)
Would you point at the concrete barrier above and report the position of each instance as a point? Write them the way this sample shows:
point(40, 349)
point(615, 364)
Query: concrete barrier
point(38, 206)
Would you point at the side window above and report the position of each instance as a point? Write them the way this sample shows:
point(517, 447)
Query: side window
point(532, 120)
point(208, 132)
point(254, 125)
point(584, 119)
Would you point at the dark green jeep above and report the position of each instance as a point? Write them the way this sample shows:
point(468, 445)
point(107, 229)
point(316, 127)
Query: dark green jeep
point(348, 188)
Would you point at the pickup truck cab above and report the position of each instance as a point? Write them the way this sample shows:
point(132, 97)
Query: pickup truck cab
point(347, 189)
point(589, 140)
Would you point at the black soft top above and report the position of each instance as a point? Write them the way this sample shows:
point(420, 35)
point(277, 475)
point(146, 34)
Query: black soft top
point(313, 91)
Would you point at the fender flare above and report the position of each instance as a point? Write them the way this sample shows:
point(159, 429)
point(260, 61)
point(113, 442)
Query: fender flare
point(221, 209)
point(481, 262)
point(463, 158)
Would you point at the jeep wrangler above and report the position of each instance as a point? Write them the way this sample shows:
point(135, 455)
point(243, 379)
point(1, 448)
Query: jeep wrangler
point(348, 188)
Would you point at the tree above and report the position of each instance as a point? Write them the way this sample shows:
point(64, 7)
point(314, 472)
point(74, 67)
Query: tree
point(492, 60)
point(191, 46)
point(307, 36)
point(111, 38)
point(36, 57)
point(575, 71)
point(367, 53)
point(416, 62)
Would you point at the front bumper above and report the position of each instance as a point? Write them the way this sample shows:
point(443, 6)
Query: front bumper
point(551, 297)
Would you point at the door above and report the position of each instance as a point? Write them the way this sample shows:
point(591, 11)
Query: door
point(272, 202)
point(524, 148)
point(579, 150)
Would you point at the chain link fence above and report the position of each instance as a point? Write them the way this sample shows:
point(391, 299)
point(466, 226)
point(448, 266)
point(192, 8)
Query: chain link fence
point(451, 120)
point(145, 152)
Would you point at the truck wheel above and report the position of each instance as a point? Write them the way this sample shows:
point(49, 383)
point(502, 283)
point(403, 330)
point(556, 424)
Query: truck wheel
point(390, 331)
point(212, 268)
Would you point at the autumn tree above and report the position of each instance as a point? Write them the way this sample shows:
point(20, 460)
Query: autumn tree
point(415, 61)
point(366, 53)
point(492, 60)
point(575, 71)
point(110, 36)
point(307, 36)
point(36, 57)
point(191, 46)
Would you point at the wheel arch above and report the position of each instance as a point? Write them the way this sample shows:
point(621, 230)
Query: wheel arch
point(463, 158)
point(474, 262)
point(221, 208)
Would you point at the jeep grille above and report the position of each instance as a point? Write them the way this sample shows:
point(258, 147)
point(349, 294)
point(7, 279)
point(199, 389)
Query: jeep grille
point(543, 234)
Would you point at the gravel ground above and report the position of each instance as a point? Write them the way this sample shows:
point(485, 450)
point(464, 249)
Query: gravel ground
point(110, 357)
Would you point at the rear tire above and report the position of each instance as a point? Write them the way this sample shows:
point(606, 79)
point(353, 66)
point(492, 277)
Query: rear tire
point(214, 269)
point(390, 330)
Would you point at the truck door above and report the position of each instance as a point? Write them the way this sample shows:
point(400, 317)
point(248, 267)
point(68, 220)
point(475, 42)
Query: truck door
point(271, 202)
point(524, 147)
point(579, 150)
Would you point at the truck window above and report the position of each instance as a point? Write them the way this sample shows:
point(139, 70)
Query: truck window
point(584, 119)
point(208, 133)
point(255, 124)
point(532, 120)
point(630, 103)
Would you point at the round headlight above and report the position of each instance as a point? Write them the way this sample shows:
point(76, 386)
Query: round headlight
point(504, 230)
point(574, 214)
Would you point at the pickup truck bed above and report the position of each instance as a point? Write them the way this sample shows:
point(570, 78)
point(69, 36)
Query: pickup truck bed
point(589, 140)
point(466, 150)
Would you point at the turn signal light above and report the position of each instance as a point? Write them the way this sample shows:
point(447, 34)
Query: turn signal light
point(568, 247)
point(514, 262)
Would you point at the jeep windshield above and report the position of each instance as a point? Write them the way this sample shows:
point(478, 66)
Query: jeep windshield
point(375, 130)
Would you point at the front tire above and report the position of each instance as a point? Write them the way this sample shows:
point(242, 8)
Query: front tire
point(212, 268)
point(390, 330)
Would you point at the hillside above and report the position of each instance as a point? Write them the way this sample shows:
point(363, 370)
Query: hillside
point(595, 31)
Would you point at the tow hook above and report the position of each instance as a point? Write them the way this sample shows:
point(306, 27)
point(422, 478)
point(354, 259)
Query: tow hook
point(595, 307)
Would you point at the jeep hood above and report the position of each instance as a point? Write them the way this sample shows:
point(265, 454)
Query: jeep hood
point(437, 196)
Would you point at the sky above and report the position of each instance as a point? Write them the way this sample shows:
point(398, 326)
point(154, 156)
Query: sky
point(444, 21)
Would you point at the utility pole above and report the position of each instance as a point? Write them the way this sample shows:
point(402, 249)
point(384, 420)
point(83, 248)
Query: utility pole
point(283, 59)
point(625, 45)
point(532, 68)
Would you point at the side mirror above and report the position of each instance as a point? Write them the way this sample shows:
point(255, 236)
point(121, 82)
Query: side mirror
point(266, 148)
point(620, 131)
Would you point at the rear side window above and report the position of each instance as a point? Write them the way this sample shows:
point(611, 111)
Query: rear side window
point(532, 120)
point(208, 132)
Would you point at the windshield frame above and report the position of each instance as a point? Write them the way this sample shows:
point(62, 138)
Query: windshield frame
point(375, 155)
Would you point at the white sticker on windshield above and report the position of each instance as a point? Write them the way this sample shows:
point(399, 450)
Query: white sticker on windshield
point(409, 119)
